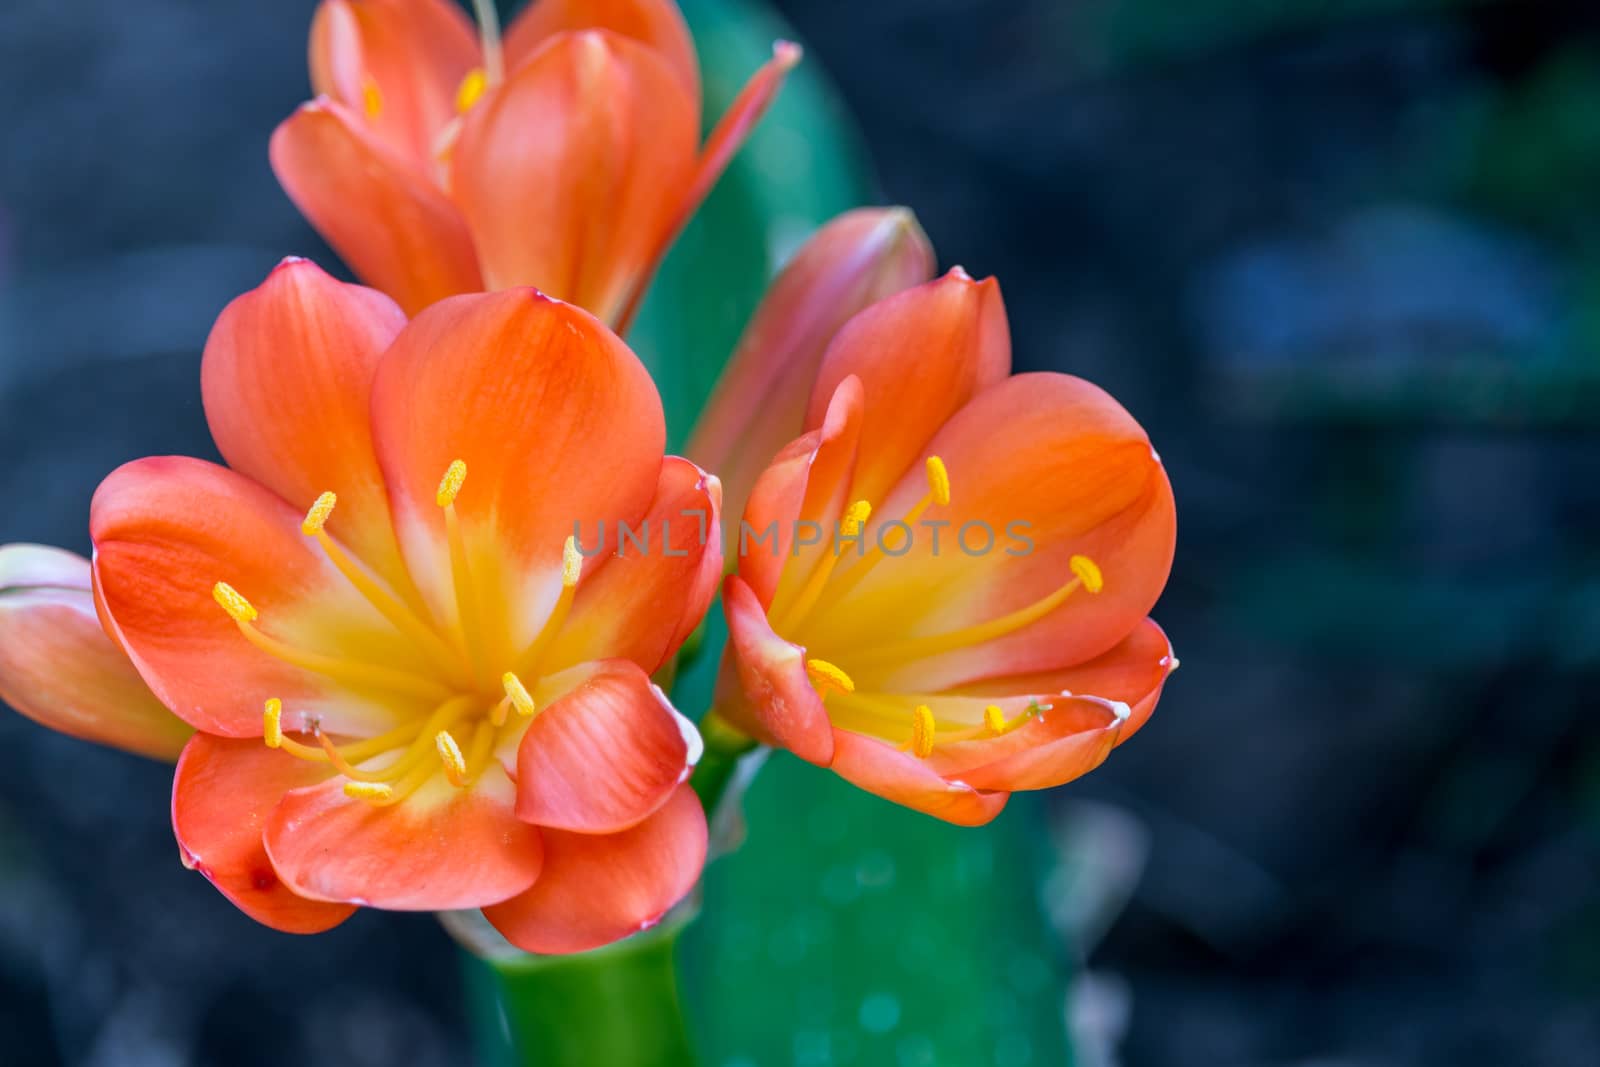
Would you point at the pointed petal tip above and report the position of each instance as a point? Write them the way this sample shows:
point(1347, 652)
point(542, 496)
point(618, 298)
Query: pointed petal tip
point(787, 53)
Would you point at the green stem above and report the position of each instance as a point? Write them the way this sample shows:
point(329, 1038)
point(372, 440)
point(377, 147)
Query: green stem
point(617, 1006)
point(725, 746)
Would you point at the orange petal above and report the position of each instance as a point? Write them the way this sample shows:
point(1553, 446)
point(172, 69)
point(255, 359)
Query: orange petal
point(222, 795)
point(1132, 673)
point(386, 218)
point(879, 767)
point(287, 381)
point(656, 23)
point(1049, 467)
point(1067, 739)
point(166, 530)
point(807, 482)
point(440, 849)
point(725, 140)
point(920, 355)
point(558, 424)
point(58, 667)
point(568, 172)
point(596, 889)
point(604, 756)
point(395, 63)
point(782, 709)
point(650, 585)
point(854, 261)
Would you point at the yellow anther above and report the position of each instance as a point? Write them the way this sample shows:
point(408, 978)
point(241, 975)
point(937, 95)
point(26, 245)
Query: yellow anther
point(455, 764)
point(922, 731)
point(471, 89)
point(272, 723)
point(571, 563)
point(317, 517)
point(450, 484)
point(371, 98)
point(238, 608)
point(517, 693)
point(938, 481)
point(994, 720)
point(1088, 573)
point(825, 676)
point(368, 791)
point(855, 517)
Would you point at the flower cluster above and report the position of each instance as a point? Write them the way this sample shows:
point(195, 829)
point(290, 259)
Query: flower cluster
point(390, 672)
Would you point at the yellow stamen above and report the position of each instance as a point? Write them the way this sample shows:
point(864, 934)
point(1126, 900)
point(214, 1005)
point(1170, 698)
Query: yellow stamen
point(419, 743)
point(938, 494)
point(571, 563)
point(994, 720)
point(244, 614)
point(272, 723)
point(238, 608)
point(825, 676)
point(517, 693)
point(317, 517)
point(938, 481)
point(455, 764)
point(454, 477)
point(914, 648)
point(368, 791)
point(371, 97)
point(1088, 573)
point(571, 571)
point(922, 731)
point(388, 605)
point(461, 570)
point(850, 525)
point(352, 671)
point(471, 90)
point(855, 517)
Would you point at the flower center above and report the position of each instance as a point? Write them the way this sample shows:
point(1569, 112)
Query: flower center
point(455, 673)
point(909, 718)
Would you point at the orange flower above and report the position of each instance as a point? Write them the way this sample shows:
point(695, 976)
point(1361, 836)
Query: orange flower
point(412, 691)
point(567, 158)
point(942, 585)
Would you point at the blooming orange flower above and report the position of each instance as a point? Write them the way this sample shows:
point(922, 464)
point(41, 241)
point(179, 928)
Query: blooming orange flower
point(412, 690)
point(567, 158)
point(942, 586)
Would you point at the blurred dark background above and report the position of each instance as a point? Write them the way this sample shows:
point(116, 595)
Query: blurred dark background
point(1343, 262)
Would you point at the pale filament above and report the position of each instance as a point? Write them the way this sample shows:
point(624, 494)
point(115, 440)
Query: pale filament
point(447, 658)
point(494, 64)
point(830, 593)
point(914, 648)
point(917, 730)
point(351, 672)
point(470, 717)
